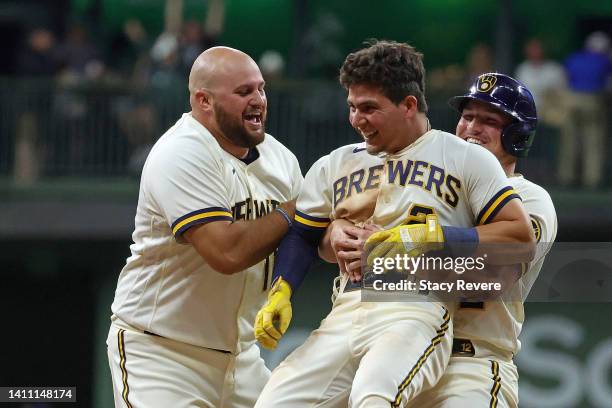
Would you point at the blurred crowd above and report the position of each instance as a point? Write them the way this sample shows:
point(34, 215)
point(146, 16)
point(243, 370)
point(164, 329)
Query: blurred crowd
point(573, 100)
point(572, 94)
point(131, 55)
point(145, 75)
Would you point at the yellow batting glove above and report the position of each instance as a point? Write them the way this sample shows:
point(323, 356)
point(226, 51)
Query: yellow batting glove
point(417, 239)
point(276, 310)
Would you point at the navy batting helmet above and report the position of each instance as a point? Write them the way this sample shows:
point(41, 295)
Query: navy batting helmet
point(511, 97)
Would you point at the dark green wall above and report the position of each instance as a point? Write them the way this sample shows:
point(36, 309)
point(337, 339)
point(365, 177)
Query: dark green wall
point(253, 26)
point(443, 29)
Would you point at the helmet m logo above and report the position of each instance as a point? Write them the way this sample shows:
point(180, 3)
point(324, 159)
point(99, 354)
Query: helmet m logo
point(486, 83)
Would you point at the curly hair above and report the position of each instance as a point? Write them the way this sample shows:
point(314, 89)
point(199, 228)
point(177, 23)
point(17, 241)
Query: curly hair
point(396, 68)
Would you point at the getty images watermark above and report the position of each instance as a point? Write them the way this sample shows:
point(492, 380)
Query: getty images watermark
point(388, 267)
point(559, 272)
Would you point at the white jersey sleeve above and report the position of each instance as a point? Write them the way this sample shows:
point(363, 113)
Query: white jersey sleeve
point(488, 189)
point(541, 211)
point(298, 179)
point(314, 206)
point(188, 192)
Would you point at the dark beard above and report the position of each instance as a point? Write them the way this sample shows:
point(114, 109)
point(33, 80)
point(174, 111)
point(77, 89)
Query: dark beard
point(234, 130)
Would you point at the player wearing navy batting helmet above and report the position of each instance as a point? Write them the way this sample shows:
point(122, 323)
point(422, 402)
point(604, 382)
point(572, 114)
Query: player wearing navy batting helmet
point(499, 114)
point(510, 97)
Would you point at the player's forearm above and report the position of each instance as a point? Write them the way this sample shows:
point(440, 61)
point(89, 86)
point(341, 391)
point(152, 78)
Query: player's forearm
point(230, 247)
point(249, 242)
point(506, 242)
point(326, 250)
point(511, 232)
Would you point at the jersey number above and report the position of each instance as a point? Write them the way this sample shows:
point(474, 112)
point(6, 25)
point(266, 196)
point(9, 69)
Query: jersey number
point(417, 214)
point(268, 268)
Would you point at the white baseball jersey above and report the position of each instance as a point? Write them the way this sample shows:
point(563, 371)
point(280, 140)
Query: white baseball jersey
point(498, 323)
point(388, 350)
point(481, 372)
point(166, 287)
point(462, 183)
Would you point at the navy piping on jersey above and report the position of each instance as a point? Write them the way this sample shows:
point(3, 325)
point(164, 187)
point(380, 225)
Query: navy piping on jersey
point(309, 221)
point(251, 156)
point(122, 361)
point(200, 217)
point(496, 383)
point(440, 333)
point(495, 204)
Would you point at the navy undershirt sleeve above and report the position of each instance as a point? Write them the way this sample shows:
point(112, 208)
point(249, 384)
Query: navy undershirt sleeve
point(296, 254)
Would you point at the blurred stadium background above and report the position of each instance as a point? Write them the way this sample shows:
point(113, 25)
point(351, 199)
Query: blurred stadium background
point(86, 86)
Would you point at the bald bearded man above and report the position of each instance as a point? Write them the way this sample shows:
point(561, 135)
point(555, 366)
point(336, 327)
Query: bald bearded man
point(216, 196)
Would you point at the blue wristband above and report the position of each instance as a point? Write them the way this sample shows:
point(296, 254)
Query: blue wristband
point(285, 215)
point(460, 241)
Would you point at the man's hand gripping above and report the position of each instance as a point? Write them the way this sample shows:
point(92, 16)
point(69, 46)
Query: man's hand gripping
point(276, 310)
point(413, 240)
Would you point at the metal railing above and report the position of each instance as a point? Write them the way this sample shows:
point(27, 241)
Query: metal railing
point(49, 130)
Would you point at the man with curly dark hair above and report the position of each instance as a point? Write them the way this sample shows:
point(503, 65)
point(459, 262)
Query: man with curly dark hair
point(394, 67)
point(381, 354)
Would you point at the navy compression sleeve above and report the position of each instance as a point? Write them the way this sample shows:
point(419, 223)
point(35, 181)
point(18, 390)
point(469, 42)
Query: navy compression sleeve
point(296, 253)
